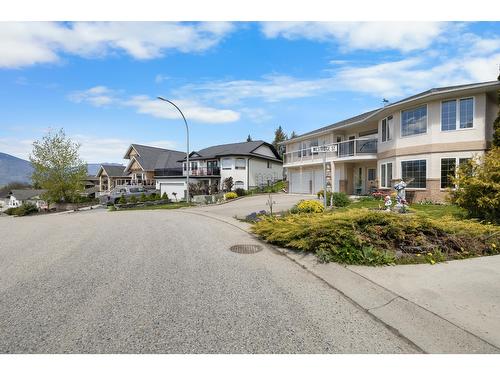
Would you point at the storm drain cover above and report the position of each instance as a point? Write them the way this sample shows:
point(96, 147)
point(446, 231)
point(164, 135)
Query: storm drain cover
point(245, 249)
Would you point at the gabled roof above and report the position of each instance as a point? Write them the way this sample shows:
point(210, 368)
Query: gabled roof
point(241, 148)
point(151, 158)
point(24, 194)
point(368, 115)
point(112, 170)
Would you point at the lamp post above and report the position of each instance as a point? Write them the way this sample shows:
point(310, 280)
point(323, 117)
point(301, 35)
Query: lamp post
point(188, 199)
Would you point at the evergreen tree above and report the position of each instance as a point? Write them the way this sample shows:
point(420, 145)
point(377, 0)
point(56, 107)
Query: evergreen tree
point(293, 135)
point(279, 136)
point(249, 138)
point(496, 124)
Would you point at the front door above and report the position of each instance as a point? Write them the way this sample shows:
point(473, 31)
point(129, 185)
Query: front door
point(211, 167)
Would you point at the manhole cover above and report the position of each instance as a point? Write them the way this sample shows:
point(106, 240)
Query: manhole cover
point(245, 249)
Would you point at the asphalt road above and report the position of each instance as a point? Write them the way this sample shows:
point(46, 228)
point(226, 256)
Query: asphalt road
point(165, 282)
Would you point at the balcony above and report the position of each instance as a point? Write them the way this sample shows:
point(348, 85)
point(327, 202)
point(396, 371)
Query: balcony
point(354, 149)
point(198, 172)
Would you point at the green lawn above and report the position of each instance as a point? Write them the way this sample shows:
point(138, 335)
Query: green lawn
point(434, 211)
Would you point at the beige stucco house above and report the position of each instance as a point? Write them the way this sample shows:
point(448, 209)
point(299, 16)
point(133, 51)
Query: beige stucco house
point(420, 139)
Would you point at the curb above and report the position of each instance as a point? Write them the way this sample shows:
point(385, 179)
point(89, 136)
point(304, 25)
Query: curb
point(425, 330)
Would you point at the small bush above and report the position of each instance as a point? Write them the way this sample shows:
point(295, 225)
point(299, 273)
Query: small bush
point(230, 195)
point(336, 199)
point(164, 196)
point(133, 199)
point(241, 192)
point(10, 211)
point(122, 200)
point(309, 206)
point(143, 198)
point(22, 210)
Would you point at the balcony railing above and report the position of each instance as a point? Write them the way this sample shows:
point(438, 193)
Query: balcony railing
point(347, 149)
point(200, 171)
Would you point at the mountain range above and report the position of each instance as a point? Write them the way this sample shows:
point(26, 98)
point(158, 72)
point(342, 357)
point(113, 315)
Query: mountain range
point(13, 169)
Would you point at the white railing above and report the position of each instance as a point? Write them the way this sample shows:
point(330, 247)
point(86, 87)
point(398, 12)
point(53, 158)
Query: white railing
point(359, 147)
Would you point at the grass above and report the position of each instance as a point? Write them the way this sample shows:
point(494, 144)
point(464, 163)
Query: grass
point(362, 234)
point(167, 206)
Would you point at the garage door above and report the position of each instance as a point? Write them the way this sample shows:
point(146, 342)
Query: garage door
point(301, 182)
point(177, 187)
point(318, 180)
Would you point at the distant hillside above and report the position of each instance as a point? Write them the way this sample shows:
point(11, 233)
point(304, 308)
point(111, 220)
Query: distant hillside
point(14, 169)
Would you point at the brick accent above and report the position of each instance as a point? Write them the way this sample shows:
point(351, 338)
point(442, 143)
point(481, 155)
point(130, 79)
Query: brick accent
point(433, 192)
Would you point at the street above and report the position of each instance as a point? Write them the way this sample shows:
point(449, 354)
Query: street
point(165, 281)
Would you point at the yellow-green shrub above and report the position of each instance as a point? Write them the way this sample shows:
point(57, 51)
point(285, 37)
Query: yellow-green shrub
point(372, 237)
point(231, 195)
point(309, 206)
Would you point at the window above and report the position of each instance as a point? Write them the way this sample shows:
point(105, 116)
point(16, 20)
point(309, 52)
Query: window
point(239, 184)
point(314, 144)
point(226, 164)
point(372, 174)
point(414, 121)
point(466, 113)
point(449, 115)
point(194, 165)
point(339, 138)
point(387, 129)
point(414, 170)
point(241, 163)
point(184, 166)
point(386, 175)
point(448, 166)
point(269, 165)
point(463, 160)
point(461, 115)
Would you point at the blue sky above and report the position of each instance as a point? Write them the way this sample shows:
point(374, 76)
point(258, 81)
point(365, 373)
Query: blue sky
point(99, 81)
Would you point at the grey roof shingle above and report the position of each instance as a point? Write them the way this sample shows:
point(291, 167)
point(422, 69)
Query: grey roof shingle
point(241, 148)
point(151, 158)
point(113, 170)
point(24, 194)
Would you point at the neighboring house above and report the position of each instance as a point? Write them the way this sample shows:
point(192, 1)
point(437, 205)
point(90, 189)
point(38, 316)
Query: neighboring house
point(111, 176)
point(91, 186)
point(144, 160)
point(250, 164)
point(17, 197)
point(421, 139)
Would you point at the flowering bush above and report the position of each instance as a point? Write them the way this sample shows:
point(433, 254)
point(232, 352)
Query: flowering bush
point(309, 206)
point(379, 194)
point(231, 195)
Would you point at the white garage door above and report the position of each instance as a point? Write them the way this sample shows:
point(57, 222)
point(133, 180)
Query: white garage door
point(301, 182)
point(173, 187)
point(318, 180)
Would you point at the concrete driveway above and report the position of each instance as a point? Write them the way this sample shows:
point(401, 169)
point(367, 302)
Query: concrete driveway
point(242, 207)
point(166, 282)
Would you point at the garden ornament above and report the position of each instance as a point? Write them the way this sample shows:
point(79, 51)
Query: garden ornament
point(387, 203)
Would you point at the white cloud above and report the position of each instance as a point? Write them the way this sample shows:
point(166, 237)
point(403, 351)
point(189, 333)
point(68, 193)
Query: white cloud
point(403, 36)
point(193, 110)
point(28, 43)
point(98, 96)
point(160, 78)
point(271, 88)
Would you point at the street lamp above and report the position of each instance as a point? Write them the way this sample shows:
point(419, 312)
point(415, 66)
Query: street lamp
point(187, 145)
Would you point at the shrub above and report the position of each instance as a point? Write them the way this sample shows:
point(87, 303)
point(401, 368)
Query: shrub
point(122, 200)
point(363, 236)
point(143, 198)
point(240, 192)
point(338, 199)
point(22, 210)
point(164, 196)
point(228, 184)
point(478, 187)
point(230, 195)
point(133, 199)
point(310, 206)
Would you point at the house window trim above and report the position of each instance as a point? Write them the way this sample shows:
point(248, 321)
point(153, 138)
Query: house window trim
point(384, 180)
point(457, 165)
point(226, 168)
point(426, 172)
point(426, 121)
point(457, 115)
point(239, 168)
point(388, 131)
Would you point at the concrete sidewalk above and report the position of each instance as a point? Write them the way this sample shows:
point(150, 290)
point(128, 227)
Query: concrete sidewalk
point(451, 307)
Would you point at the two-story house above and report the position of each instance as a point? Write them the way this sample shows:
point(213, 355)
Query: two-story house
point(421, 139)
point(250, 164)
